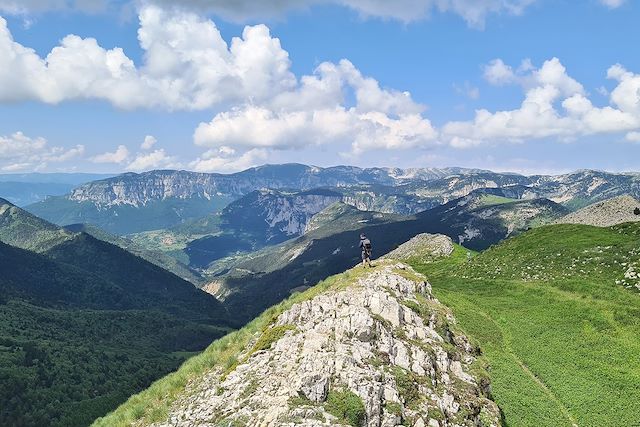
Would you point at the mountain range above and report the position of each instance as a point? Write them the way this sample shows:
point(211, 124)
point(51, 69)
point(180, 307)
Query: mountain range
point(112, 268)
point(132, 203)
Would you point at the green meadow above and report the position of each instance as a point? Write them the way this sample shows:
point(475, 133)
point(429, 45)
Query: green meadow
point(557, 321)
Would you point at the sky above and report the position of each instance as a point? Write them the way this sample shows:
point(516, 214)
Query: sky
point(529, 86)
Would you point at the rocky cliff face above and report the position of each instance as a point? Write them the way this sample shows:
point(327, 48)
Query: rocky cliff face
point(138, 189)
point(277, 215)
point(422, 188)
point(379, 350)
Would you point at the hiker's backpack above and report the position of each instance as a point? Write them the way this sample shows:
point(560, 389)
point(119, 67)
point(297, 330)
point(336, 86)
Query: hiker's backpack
point(366, 243)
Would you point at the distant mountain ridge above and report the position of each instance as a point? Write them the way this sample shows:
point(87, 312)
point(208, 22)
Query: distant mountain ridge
point(132, 203)
point(138, 189)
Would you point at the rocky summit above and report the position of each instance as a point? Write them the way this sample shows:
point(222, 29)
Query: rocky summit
point(424, 245)
point(616, 210)
point(376, 349)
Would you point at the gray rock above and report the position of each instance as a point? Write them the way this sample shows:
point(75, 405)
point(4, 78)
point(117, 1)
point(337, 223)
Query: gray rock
point(423, 246)
point(364, 339)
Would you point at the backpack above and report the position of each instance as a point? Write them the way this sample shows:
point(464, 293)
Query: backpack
point(366, 243)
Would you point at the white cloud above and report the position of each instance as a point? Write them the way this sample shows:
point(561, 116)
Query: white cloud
point(613, 4)
point(224, 160)
point(119, 156)
point(19, 152)
point(149, 142)
point(314, 112)
point(157, 159)
point(633, 137)
point(555, 105)
point(474, 12)
point(187, 65)
point(255, 127)
point(499, 73)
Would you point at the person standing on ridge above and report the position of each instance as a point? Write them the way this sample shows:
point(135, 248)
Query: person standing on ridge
point(365, 245)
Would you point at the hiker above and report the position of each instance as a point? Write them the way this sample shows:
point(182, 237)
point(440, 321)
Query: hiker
point(365, 245)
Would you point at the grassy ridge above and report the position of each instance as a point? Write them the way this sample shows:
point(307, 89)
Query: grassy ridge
point(560, 334)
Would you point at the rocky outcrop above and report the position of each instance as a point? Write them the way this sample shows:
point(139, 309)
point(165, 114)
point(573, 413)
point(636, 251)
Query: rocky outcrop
point(423, 245)
point(610, 212)
point(277, 215)
point(378, 350)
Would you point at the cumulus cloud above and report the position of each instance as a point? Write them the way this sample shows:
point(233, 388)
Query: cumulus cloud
point(314, 112)
point(256, 127)
point(187, 66)
point(119, 156)
point(555, 105)
point(149, 142)
point(157, 159)
point(19, 152)
point(498, 73)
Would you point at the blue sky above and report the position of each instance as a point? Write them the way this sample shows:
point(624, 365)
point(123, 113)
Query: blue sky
point(557, 84)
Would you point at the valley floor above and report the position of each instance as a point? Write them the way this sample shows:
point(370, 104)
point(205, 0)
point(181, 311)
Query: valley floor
point(564, 346)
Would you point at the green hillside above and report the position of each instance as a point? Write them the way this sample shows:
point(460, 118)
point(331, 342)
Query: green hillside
point(157, 257)
point(74, 345)
point(84, 323)
point(557, 321)
point(19, 228)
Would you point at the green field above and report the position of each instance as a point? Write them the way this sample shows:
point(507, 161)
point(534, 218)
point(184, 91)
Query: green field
point(561, 336)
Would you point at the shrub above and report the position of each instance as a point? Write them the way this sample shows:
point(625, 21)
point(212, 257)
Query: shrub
point(347, 406)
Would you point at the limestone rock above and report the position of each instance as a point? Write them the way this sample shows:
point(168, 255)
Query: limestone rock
point(423, 246)
point(382, 343)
